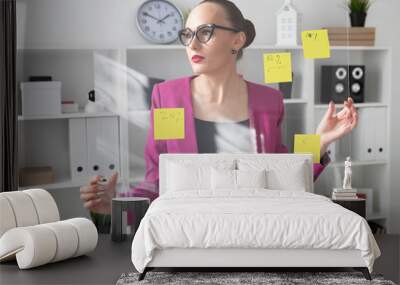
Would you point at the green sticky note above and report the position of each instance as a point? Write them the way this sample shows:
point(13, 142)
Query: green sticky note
point(316, 44)
point(277, 67)
point(169, 123)
point(304, 143)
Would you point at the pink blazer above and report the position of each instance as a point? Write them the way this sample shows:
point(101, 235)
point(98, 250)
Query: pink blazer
point(266, 111)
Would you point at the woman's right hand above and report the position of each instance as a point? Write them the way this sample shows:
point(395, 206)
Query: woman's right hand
point(97, 198)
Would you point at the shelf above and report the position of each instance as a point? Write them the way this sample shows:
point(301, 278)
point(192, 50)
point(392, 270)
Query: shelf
point(181, 47)
point(360, 48)
point(57, 185)
point(67, 116)
point(110, 114)
point(62, 184)
point(59, 49)
point(295, 101)
point(156, 47)
point(357, 163)
point(357, 105)
point(299, 47)
point(273, 47)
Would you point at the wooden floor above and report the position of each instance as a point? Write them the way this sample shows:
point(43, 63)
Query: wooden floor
point(389, 262)
point(110, 260)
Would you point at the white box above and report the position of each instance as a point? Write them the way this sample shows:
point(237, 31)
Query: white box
point(78, 149)
point(68, 108)
point(94, 147)
point(379, 136)
point(369, 137)
point(41, 98)
point(363, 136)
point(102, 145)
point(358, 138)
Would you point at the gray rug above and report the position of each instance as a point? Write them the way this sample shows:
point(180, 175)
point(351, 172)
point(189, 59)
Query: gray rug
point(230, 278)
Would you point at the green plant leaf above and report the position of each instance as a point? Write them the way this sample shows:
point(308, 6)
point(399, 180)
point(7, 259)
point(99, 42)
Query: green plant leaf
point(361, 6)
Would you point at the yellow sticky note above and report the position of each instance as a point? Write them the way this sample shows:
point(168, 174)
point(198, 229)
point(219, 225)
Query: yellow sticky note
point(277, 67)
point(169, 123)
point(316, 44)
point(308, 144)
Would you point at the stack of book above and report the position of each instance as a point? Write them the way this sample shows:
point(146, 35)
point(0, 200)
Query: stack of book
point(351, 36)
point(344, 194)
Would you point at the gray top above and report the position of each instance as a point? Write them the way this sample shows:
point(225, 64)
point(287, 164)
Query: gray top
point(223, 137)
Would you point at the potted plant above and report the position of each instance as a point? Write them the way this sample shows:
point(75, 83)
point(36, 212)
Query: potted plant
point(358, 11)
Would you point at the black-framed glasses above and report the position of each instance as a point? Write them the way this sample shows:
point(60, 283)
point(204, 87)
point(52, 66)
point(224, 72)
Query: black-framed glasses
point(203, 33)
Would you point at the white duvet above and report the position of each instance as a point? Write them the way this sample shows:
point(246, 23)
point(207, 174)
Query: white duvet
point(256, 218)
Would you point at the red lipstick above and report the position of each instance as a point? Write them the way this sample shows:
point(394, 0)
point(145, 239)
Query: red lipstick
point(197, 58)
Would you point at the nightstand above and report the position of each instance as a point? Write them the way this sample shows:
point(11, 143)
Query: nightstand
point(357, 206)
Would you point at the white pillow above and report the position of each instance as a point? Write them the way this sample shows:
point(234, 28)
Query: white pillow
point(282, 174)
point(186, 174)
point(293, 180)
point(227, 179)
point(181, 178)
point(251, 178)
point(223, 179)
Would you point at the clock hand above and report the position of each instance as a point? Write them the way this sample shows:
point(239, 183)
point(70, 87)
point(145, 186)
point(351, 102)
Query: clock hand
point(162, 20)
point(151, 16)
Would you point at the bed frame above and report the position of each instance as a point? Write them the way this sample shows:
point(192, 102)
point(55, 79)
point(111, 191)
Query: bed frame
point(246, 258)
point(242, 259)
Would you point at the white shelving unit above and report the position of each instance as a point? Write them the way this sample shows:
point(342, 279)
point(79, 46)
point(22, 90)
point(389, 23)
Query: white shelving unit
point(45, 140)
point(115, 71)
point(368, 171)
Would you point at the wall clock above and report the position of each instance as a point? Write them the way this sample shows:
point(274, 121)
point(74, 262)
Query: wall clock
point(159, 21)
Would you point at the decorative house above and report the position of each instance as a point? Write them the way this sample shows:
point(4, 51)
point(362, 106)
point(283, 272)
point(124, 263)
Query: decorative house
point(287, 25)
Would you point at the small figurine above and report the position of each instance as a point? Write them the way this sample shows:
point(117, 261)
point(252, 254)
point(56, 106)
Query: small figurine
point(347, 174)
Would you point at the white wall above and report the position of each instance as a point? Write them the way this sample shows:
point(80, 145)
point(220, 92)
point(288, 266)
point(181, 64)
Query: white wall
point(105, 23)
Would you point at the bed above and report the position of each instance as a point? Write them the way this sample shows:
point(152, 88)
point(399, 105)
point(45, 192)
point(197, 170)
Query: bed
point(247, 210)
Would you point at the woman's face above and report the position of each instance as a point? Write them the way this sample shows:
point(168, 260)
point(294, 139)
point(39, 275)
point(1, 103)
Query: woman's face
point(216, 53)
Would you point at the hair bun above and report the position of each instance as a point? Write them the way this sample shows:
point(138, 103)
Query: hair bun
point(250, 32)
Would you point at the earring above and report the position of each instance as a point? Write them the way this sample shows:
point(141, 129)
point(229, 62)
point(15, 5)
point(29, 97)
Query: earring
point(234, 51)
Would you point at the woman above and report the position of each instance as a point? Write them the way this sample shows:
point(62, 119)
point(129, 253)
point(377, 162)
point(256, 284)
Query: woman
point(218, 97)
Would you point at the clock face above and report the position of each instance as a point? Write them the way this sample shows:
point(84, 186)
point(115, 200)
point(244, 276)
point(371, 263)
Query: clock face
point(159, 21)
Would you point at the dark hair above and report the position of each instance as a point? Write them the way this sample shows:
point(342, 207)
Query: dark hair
point(235, 17)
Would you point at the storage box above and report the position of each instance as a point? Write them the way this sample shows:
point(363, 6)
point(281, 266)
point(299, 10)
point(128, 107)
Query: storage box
point(370, 137)
point(69, 107)
point(41, 98)
point(36, 175)
point(351, 36)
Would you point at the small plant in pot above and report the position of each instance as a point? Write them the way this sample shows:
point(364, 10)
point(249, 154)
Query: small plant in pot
point(358, 11)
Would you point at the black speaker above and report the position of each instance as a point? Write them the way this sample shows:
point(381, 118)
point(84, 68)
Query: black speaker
point(338, 82)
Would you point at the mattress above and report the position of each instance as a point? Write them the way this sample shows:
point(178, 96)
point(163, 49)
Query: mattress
point(251, 218)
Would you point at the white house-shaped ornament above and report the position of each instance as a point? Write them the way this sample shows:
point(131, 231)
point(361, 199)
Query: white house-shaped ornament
point(287, 25)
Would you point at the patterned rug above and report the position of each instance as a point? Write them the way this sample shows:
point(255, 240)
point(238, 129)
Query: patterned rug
point(243, 278)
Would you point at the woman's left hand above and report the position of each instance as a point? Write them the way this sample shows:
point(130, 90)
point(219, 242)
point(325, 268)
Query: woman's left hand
point(334, 126)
